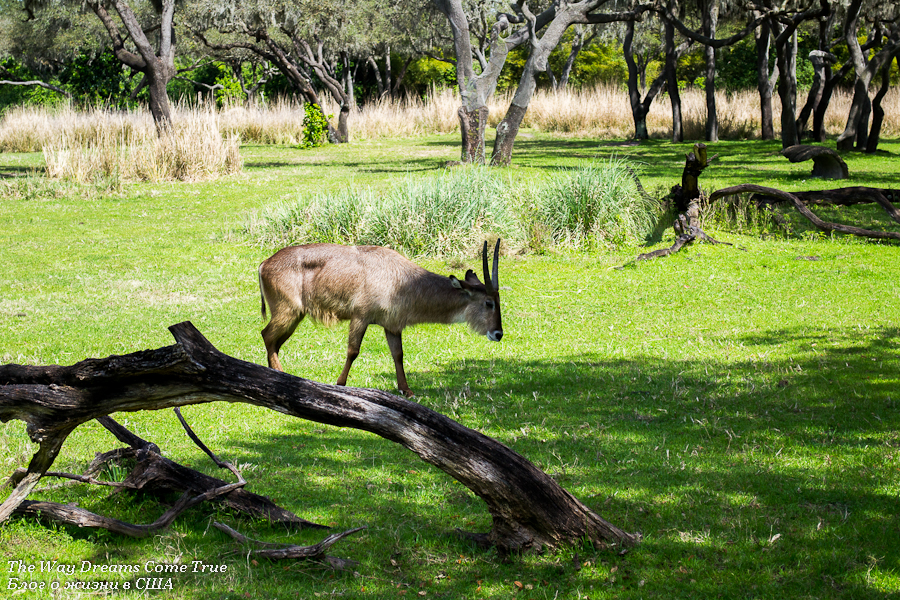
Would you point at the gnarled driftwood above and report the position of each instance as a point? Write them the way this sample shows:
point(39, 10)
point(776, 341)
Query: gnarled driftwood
point(529, 509)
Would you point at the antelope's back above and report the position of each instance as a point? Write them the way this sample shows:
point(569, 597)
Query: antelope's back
point(330, 282)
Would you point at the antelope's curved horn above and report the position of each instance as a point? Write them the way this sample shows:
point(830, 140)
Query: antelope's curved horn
point(484, 266)
point(495, 277)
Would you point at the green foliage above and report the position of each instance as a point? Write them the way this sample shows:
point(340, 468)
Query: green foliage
point(231, 92)
point(588, 206)
point(315, 126)
point(426, 72)
point(18, 95)
point(445, 215)
point(96, 79)
point(736, 66)
point(597, 64)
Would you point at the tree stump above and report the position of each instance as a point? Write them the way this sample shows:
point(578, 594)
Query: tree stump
point(827, 163)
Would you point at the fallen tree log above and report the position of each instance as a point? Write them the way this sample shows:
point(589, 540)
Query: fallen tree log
point(529, 509)
point(847, 196)
point(794, 199)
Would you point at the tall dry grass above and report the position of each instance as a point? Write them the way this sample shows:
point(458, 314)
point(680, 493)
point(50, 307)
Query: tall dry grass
point(79, 143)
point(86, 146)
point(602, 112)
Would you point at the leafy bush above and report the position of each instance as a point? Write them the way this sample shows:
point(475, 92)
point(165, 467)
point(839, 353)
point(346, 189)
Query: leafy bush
point(315, 126)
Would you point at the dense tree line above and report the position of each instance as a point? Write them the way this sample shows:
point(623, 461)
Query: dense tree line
point(127, 51)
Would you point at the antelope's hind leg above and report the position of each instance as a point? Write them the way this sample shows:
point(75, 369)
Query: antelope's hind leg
point(395, 343)
point(276, 333)
point(354, 342)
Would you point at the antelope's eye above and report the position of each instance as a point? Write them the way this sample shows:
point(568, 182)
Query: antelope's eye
point(489, 304)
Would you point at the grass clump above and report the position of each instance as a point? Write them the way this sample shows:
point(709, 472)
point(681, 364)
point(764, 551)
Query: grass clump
point(191, 150)
point(450, 214)
point(594, 204)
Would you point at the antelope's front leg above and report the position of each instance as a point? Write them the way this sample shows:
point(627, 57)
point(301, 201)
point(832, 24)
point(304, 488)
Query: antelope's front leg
point(395, 343)
point(354, 341)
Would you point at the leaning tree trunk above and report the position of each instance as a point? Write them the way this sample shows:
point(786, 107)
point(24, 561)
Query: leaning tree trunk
point(529, 509)
point(877, 110)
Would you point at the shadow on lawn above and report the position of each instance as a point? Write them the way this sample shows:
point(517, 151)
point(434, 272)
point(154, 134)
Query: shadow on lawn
point(763, 475)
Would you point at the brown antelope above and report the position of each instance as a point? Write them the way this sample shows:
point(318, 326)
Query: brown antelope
point(366, 285)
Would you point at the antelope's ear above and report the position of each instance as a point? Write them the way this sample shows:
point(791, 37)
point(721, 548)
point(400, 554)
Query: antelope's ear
point(461, 285)
point(472, 278)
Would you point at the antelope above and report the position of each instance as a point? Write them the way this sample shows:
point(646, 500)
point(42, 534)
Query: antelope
point(370, 285)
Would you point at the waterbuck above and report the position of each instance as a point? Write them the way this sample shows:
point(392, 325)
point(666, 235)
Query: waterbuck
point(366, 285)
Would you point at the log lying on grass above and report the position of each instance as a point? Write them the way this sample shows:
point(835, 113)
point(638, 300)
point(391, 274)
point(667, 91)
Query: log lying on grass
point(847, 196)
point(529, 509)
point(795, 199)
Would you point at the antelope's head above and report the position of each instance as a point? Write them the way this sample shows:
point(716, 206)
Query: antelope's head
point(483, 310)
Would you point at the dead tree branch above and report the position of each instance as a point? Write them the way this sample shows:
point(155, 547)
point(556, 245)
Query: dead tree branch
point(686, 198)
point(794, 199)
point(529, 509)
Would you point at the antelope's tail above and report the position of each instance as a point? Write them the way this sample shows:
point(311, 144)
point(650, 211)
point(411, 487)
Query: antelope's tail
point(262, 297)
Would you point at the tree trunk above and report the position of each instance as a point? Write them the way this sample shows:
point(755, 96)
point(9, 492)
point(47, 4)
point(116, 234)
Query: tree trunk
point(819, 60)
point(710, 21)
point(387, 72)
point(578, 42)
point(672, 82)
point(638, 114)
point(763, 39)
point(507, 130)
point(529, 509)
point(472, 124)
point(859, 107)
point(159, 99)
point(877, 110)
point(341, 135)
point(787, 86)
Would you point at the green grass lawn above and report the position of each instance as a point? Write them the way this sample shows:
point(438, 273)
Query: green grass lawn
point(737, 405)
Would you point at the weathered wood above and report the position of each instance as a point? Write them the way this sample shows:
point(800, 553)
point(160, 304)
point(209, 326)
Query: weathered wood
point(827, 163)
point(281, 551)
point(686, 199)
point(529, 509)
point(847, 196)
point(802, 208)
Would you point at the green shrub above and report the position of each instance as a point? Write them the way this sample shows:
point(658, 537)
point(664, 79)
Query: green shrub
point(446, 215)
point(315, 126)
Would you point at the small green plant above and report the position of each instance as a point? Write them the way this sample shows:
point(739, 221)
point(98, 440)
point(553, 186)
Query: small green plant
point(315, 126)
point(739, 214)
